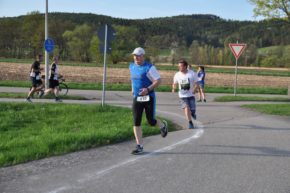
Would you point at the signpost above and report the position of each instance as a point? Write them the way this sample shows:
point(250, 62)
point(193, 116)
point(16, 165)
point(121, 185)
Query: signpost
point(237, 50)
point(46, 37)
point(106, 34)
point(49, 45)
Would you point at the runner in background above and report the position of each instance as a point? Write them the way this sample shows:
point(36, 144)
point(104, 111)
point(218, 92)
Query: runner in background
point(35, 77)
point(186, 79)
point(201, 83)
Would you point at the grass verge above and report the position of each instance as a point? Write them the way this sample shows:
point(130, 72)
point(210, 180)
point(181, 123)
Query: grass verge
point(34, 131)
point(161, 88)
point(250, 98)
point(24, 95)
point(272, 109)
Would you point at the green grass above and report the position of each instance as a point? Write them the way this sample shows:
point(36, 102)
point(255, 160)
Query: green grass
point(24, 95)
point(273, 109)
point(14, 60)
point(271, 49)
point(250, 98)
point(161, 88)
point(250, 72)
point(34, 131)
point(11, 83)
point(247, 90)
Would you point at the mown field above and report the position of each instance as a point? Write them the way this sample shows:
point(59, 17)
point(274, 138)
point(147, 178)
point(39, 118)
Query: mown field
point(218, 77)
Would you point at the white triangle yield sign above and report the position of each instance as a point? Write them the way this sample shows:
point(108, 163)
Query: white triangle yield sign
point(237, 49)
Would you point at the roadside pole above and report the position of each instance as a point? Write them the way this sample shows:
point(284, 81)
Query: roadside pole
point(237, 50)
point(46, 53)
point(236, 78)
point(105, 66)
point(48, 46)
point(106, 35)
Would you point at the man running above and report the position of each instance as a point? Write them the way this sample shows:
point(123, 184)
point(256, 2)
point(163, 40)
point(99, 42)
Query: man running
point(35, 77)
point(144, 78)
point(186, 79)
point(53, 79)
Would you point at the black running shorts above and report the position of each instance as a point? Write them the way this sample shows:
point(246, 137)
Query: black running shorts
point(53, 83)
point(34, 82)
point(138, 108)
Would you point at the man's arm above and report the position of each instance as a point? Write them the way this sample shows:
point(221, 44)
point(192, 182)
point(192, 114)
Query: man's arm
point(154, 85)
point(132, 91)
point(173, 87)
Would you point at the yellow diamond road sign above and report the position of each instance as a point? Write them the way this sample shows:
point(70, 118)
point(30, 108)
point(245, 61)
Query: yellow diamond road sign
point(237, 49)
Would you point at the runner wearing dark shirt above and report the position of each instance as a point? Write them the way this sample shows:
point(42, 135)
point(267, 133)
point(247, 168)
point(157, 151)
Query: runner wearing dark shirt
point(53, 80)
point(35, 77)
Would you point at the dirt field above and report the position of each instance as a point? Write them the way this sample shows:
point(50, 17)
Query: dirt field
point(16, 71)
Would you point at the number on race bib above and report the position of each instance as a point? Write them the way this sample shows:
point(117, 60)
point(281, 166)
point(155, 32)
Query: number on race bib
point(145, 98)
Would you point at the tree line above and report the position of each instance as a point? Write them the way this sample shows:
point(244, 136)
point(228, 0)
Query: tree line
point(202, 39)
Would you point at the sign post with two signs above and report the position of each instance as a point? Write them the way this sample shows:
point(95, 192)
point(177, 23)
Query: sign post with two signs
point(237, 50)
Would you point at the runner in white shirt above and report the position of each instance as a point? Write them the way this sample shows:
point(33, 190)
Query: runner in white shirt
point(185, 79)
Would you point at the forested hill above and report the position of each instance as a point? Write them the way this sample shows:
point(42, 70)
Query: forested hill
point(207, 29)
point(23, 36)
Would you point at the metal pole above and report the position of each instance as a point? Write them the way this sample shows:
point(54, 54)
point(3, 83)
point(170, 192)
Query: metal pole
point(236, 75)
point(105, 58)
point(46, 53)
point(236, 78)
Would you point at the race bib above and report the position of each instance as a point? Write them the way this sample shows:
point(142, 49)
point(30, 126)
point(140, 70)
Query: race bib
point(185, 84)
point(145, 98)
point(37, 77)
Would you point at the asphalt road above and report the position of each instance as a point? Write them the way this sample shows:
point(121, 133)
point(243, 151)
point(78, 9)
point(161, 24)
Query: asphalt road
point(233, 150)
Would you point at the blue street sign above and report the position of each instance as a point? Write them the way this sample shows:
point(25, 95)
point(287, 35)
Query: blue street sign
point(49, 45)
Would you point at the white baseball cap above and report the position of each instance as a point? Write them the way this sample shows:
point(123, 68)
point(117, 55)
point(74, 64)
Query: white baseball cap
point(138, 51)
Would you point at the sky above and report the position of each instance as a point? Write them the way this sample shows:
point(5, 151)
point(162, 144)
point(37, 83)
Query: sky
point(131, 9)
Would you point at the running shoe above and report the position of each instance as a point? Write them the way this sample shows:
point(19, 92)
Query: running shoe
point(190, 126)
point(28, 100)
point(164, 129)
point(58, 100)
point(193, 116)
point(204, 100)
point(41, 94)
point(138, 150)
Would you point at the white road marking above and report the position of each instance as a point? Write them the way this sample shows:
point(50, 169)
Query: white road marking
point(59, 189)
point(199, 132)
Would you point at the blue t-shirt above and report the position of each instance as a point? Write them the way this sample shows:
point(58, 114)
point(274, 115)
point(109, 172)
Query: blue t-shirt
point(140, 77)
point(201, 77)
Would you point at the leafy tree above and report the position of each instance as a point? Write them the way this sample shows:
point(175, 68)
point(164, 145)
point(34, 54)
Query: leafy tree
point(10, 38)
point(33, 31)
point(56, 29)
point(194, 52)
point(272, 8)
point(95, 51)
point(79, 41)
point(123, 44)
point(152, 46)
point(250, 54)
